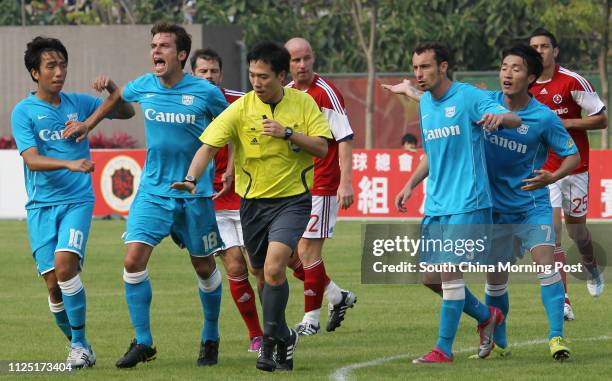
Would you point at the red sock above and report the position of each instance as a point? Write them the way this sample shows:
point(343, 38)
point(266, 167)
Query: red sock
point(298, 271)
point(244, 297)
point(560, 258)
point(315, 281)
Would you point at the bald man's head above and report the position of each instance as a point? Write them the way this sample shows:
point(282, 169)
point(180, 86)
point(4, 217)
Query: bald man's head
point(302, 62)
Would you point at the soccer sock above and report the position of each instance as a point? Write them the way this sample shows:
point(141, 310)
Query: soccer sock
point(315, 280)
point(274, 303)
point(61, 318)
point(496, 295)
point(585, 247)
point(298, 270)
point(333, 293)
point(453, 299)
point(209, 290)
point(73, 294)
point(560, 258)
point(244, 297)
point(138, 295)
point(552, 297)
point(474, 308)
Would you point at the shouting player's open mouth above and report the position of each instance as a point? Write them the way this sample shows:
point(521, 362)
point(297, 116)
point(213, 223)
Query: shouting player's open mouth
point(159, 65)
point(507, 85)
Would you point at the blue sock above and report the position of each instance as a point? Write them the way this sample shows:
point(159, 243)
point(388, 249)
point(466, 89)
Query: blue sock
point(61, 318)
point(73, 294)
point(210, 295)
point(450, 314)
point(474, 308)
point(553, 298)
point(496, 295)
point(138, 295)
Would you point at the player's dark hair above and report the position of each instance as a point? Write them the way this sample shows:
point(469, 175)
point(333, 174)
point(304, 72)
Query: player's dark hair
point(545, 33)
point(532, 58)
point(409, 139)
point(441, 52)
point(37, 47)
point(181, 37)
point(271, 53)
point(206, 54)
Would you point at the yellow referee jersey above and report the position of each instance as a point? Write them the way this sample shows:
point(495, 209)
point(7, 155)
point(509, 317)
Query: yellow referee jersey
point(268, 167)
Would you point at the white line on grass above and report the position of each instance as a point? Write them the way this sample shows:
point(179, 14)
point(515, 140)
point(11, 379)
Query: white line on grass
point(342, 374)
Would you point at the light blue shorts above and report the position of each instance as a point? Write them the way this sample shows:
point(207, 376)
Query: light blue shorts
point(516, 233)
point(456, 238)
point(190, 222)
point(58, 228)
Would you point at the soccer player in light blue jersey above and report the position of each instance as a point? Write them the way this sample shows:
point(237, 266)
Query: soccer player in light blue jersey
point(58, 183)
point(177, 107)
point(521, 203)
point(453, 116)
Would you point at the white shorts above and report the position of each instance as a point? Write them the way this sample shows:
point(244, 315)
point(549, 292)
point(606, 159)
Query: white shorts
point(572, 194)
point(323, 217)
point(230, 228)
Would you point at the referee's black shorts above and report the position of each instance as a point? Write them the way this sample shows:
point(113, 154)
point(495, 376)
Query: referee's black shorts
point(282, 219)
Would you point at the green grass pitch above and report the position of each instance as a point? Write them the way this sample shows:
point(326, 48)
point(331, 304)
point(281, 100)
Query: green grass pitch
point(389, 320)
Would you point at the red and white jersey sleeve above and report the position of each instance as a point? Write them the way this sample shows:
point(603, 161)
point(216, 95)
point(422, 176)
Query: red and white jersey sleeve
point(231, 201)
point(331, 103)
point(567, 94)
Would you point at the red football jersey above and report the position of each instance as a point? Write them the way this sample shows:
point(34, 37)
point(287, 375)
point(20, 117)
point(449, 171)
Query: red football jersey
point(331, 103)
point(231, 201)
point(567, 94)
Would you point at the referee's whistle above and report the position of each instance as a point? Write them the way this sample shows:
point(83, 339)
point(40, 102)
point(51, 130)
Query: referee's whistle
point(264, 117)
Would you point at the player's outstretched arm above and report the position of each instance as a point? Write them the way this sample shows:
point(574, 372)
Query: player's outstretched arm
point(40, 163)
point(544, 178)
point(491, 122)
point(314, 145)
point(420, 173)
point(228, 177)
point(123, 110)
point(345, 196)
point(199, 163)
point(405, 88)
point(82, 129)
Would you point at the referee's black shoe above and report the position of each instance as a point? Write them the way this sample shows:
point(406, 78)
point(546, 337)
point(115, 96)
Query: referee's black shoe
point(285, 351)
point(265, 359)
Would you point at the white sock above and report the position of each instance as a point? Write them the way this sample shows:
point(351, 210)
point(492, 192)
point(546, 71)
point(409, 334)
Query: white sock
point(333, 293)
point(313, 317)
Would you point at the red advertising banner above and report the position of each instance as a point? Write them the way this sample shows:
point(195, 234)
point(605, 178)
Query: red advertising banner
point(378, 175)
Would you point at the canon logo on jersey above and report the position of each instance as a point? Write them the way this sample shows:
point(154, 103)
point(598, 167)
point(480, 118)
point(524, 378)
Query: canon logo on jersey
point(442, 132)
point(169, 117)
point(47, 135)
point(508, 144)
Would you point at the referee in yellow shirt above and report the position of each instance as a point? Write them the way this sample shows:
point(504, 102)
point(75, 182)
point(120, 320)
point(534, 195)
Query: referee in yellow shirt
point(275, 131)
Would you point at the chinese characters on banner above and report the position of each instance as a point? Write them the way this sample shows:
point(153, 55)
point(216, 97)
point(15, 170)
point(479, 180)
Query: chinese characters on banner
point(378, 175)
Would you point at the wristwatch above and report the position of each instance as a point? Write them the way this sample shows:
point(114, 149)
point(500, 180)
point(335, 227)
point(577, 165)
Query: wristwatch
point(191, 179)
point(288, 132)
